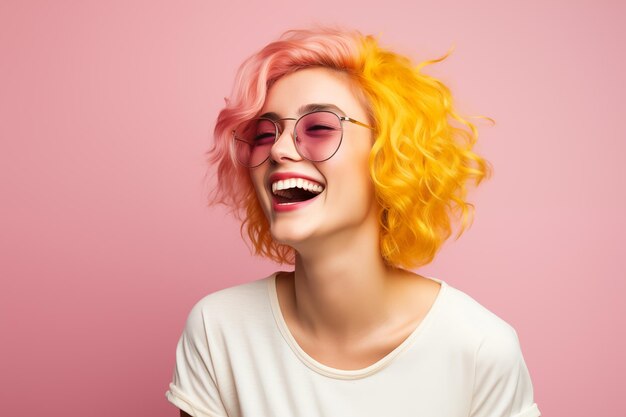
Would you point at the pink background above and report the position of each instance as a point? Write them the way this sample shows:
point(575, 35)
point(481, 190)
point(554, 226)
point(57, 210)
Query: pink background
point(106, 108)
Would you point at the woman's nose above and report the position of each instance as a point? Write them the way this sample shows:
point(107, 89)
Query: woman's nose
point(284, 147)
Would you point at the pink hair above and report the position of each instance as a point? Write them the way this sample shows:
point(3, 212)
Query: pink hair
point(296, 49)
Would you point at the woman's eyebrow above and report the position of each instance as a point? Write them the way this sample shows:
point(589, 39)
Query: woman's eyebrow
point(308, 108)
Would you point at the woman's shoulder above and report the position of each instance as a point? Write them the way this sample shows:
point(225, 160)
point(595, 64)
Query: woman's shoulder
point(473, 320)
point(236, 296)
point(234, 305)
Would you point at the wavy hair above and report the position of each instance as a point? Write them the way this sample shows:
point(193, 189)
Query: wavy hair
point(421, 162)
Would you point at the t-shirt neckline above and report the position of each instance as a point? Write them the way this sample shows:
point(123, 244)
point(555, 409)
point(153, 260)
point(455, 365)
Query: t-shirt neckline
point(352, 373)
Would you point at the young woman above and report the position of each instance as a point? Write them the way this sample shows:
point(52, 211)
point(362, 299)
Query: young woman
point(348, 162)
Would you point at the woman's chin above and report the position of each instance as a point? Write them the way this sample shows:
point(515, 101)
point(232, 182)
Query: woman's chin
point(291, 235)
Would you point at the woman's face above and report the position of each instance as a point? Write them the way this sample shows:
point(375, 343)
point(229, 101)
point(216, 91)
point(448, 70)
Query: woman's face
point(346, 200)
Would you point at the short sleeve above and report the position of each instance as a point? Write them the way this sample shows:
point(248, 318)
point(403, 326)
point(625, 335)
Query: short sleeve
point(193, 388)
point(502, 385)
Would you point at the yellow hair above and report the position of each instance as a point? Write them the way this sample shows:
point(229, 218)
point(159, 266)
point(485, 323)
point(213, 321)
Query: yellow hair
point(421, 160)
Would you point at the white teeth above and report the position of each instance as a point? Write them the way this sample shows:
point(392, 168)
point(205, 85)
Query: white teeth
point(297, 182)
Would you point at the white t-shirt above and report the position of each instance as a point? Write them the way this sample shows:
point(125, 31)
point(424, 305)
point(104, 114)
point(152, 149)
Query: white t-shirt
point(237, 358)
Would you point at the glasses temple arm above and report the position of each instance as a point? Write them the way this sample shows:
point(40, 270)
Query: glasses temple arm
point(357, 122)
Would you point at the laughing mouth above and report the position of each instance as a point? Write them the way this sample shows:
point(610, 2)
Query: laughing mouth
point(295, 190)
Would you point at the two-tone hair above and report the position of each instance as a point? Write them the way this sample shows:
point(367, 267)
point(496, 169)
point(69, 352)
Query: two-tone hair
point(421, 162)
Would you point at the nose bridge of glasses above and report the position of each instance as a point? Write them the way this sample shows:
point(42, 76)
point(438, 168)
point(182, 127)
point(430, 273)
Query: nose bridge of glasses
point(282, 127)
point(280, 130)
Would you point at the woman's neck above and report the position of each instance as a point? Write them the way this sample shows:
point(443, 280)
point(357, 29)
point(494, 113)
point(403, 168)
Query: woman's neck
point(342, 288)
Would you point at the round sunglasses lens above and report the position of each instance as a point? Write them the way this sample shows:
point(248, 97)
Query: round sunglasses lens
point(253, 141)
point(318, 135)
